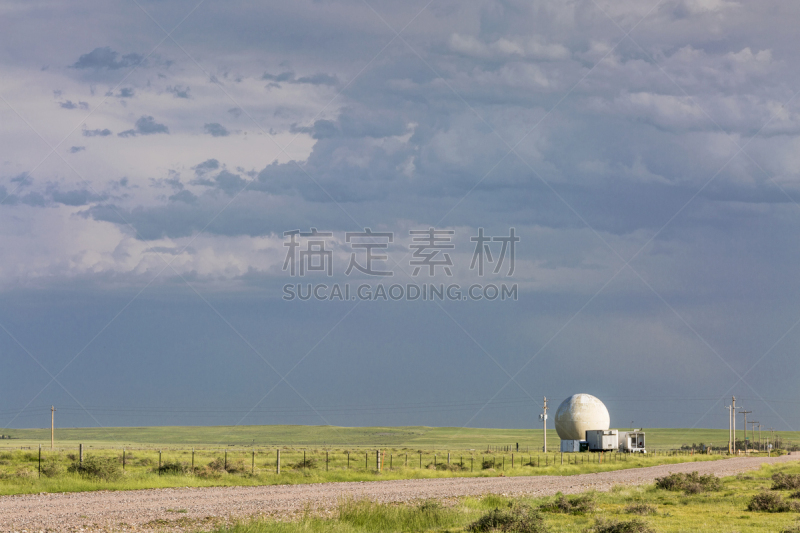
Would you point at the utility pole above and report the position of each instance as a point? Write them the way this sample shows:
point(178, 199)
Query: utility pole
point(730, 428)
point(543, 418)
point(733, 419)
point(52, 425)
point(745, 429)
point(753, 431)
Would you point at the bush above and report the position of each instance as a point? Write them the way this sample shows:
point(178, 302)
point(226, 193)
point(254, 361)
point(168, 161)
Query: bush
point(52, 468)
point(303, 464)
point(781, 481)
point(444, 467)
point(795, 495)
point(637, 525)
point(580, 504)
point(174, 468)
point(487, 464)
point(642, 509)
point(105, 468)
point(518, 519)
point(690, 483)
point(771, 502)
point(218, 466)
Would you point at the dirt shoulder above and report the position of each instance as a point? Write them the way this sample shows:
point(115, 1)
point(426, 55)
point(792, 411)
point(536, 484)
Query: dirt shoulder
point(182, 508)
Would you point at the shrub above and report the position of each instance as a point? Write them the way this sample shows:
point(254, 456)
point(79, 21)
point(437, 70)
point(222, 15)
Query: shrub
point(105, 468)
point(518, 519)
point(795, 495)
point(781, 481)
point(444, 467)
point(791, 529)
point(641, 509)
point(52, 468)
point(580, 504)
point(637, 525)
point(218, 466)
point(487, 464)
point(303, 464)
point(771, 502)
point(174, 468)
point(690, 483)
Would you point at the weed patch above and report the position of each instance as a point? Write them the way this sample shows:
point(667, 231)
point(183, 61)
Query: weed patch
point(641, 509)
point(781, 481)
point(637, 525)
point(98, 467)
point(692, 483)
point(174, 468)
point(518, 519)
point(581, 504)
point(771, 502)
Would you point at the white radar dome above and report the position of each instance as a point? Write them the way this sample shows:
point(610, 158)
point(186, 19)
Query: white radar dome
point(578, 414)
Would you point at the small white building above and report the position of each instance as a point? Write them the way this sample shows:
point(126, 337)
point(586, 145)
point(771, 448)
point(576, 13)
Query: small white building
point(632, 442)
point(602, 439)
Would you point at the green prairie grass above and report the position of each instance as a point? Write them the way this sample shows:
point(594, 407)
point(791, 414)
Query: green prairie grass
point(19, 469)
point(646, 507)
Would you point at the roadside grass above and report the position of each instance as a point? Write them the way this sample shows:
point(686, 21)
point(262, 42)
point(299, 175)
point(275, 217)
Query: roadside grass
point(624, 509)
point(102, 469)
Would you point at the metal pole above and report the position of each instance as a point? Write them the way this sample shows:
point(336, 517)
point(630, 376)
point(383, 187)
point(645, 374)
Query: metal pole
point(543, 416)
point(733, 416)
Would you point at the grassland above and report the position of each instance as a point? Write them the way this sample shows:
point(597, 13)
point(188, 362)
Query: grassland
point(20, 474)
point(246, 455)
point(634, 509)
point(432, 438)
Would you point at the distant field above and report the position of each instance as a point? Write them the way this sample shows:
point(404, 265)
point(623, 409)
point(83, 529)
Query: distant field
point(428, 438)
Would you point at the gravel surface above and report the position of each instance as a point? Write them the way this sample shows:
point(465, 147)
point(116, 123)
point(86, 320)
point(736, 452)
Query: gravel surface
point(184, 509)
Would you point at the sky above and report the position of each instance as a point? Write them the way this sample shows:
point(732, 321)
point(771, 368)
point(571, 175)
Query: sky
point(176, 176)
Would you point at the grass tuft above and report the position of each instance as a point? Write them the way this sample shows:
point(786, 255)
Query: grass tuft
point(581, 504)
point(637, 525)
point(783, 481)
point(771, 502)
point(98, 467)
point(692, 483)
point(641, 509)
point(517, 519)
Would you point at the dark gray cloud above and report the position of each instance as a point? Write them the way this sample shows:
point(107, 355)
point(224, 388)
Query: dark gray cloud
point(75, 197)
point(205, 166)
point(69, 104)
point(106, 58)
point(125, 92)
point(146, 125)
point(76, 149)
point(319, 78)
point(97, 133)
point(184, 196)
point(179, 91)
point(216, 129)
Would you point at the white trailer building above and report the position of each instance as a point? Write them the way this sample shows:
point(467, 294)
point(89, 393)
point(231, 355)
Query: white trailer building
point(632, 442)
point(602, 439)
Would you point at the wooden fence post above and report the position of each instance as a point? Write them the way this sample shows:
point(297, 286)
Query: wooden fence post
point(278, 462)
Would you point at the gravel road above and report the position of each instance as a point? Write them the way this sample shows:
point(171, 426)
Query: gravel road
point(182, 509)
